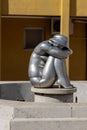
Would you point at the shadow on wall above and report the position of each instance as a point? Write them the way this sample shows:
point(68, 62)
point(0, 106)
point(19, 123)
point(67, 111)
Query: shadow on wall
point(4, 8)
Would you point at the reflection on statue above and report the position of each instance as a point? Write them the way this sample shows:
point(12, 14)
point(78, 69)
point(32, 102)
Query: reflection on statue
point(47, 63)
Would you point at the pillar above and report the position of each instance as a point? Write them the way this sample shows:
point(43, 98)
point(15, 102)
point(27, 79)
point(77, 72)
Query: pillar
point(65, 19)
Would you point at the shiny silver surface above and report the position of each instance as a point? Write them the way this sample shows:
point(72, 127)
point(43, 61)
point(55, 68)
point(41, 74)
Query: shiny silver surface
point(47, 63)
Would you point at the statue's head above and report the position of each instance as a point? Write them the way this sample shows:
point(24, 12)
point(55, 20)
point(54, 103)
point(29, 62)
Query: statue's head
point(59, 40)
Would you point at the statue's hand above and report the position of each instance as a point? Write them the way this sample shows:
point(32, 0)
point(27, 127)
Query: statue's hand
point(44, 58)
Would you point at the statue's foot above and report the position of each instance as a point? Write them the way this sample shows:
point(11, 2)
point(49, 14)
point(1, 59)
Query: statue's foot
point(62, 85)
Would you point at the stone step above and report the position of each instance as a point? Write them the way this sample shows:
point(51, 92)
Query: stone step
point(16, 109)
point(44, 124)
point(49, 124)
point(16, 115)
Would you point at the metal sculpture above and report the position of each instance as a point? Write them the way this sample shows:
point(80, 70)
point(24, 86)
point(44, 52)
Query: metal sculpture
point(47, 63)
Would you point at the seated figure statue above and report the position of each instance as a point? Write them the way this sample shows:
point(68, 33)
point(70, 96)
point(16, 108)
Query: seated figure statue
point(47, 63)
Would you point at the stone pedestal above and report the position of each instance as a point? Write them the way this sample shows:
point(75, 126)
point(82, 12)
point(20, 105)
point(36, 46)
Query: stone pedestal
point(53, 94)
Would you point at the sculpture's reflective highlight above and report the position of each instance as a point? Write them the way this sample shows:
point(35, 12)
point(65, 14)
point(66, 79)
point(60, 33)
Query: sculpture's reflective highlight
point(47, 63)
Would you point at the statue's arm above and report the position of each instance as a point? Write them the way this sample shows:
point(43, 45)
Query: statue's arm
point(55, 51)
point(58, 53)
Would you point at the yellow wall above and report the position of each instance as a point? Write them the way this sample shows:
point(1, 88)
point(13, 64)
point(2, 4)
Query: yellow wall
point(31, 7)
point(78, 7)
point(81, 7)
point(78, 59)
point(14, 58)
point(42, 7)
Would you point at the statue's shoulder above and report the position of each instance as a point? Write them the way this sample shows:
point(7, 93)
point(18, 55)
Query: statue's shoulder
point(45, 44)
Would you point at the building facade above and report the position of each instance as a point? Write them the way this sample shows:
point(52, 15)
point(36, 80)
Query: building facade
point(25, 23)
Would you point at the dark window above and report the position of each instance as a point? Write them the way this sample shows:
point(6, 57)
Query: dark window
point(32, 37)
point(55, 25)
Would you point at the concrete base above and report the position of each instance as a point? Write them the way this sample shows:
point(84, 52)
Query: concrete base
point(53, 98)
point(53, 94)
